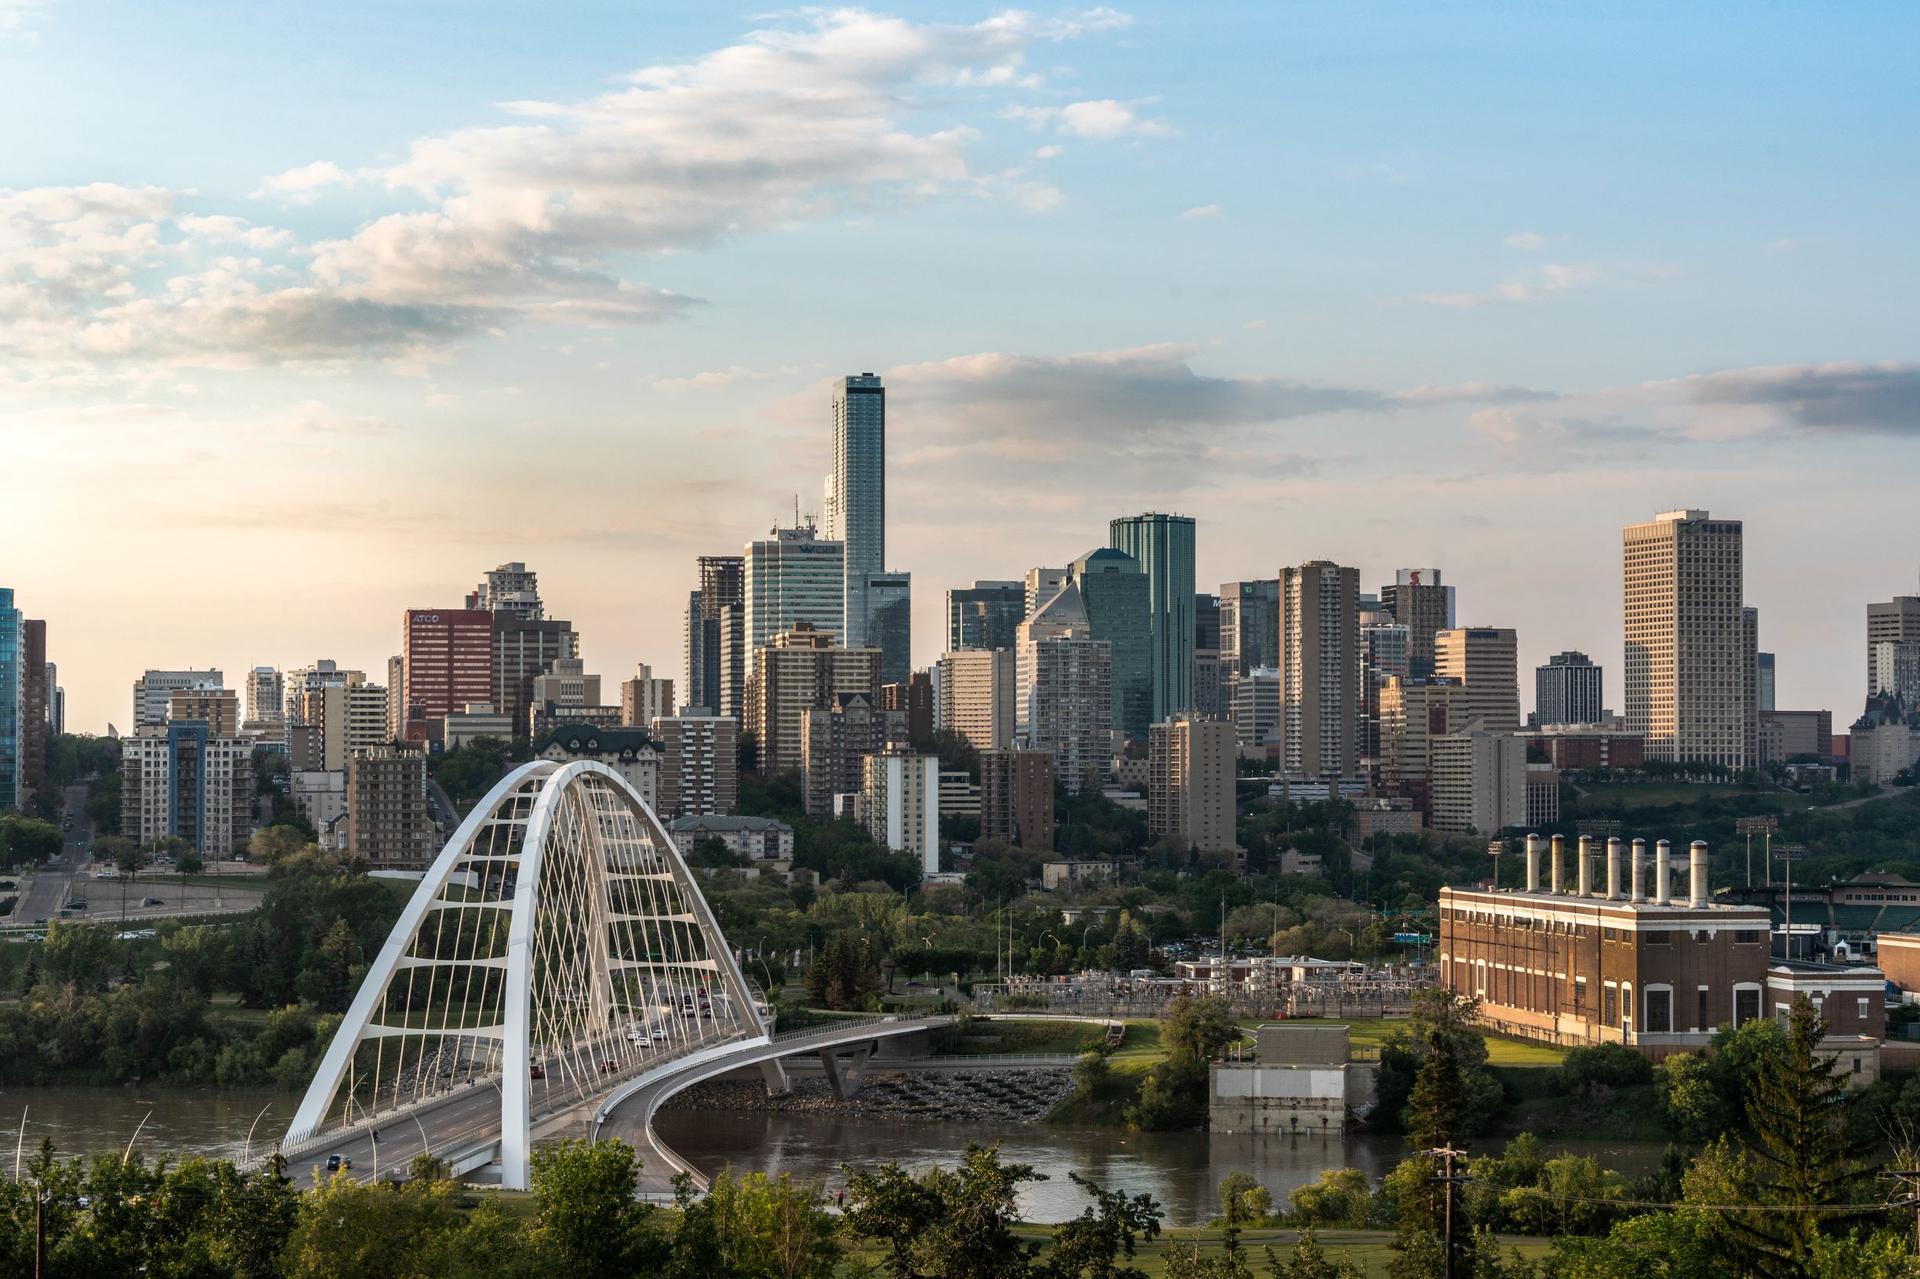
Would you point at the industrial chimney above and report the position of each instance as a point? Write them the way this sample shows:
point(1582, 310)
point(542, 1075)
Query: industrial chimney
point(1585, 876)
point(1533, 863)
point(1613, 868)
point(1662, 873)
point(1558, 858)
point(1697, 865)
point(1639, 893)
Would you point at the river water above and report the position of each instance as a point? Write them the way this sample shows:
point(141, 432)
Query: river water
point(178, 1121)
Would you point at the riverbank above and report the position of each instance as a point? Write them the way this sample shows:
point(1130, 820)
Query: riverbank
point(1012, 1096)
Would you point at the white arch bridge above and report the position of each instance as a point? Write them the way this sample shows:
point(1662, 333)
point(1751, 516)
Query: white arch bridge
point(557, 962)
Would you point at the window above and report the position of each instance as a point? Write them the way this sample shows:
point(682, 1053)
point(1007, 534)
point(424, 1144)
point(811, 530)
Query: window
point(1659, 1010)
point(1746, 1004)
point(1659, 938)
point(1861, 1004)
point(1609, 1004)
point(1746, 936)
point(1700, 1021)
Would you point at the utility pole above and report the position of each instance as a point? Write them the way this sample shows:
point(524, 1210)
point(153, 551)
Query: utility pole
point(1909, 1179)
point(1446, 1155)
point(1788, 854)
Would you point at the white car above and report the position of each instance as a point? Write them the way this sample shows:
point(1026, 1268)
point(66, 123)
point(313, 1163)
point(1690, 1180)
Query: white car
point(638, 1035)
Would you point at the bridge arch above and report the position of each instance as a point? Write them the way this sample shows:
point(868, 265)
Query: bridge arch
point(558, 946)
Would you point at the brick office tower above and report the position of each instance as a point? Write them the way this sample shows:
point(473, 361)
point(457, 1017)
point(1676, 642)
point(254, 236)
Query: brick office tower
point(1610, 953)
point(447, 654)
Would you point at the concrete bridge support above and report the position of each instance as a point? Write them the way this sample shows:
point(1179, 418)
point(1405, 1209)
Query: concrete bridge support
point(846, 1069)
point(774, 1072)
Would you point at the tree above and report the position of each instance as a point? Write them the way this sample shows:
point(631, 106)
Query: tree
point(945, 1223)
point(587, 1223)
point(1338, 1198)
point(1437, 1106)
point(753, 1227)
point(1092, 1245)
point(1308, 1261)
point(272, 845)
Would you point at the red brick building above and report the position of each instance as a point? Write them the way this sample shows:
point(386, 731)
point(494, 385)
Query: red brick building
point(447, 657)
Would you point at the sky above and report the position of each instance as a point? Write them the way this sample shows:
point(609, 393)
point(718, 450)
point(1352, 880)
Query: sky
point(310, 314)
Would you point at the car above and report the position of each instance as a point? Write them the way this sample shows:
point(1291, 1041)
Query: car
point(337, 1162)
point(638, 1035)
point(536, 1071)
point(109, 873)
point(152, 901)
point(41, 920)
point(78, 903)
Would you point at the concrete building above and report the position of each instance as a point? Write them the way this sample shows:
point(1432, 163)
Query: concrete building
point(386, 808)
point(629, 752)
point(12, 695)
point(1484, 659)
point(1016, 797)
point(900, 804)
point(717, 654)
point(1896, 621)
point(1479, 782)
point(1320, 669)
point(1386, 652)
point(699, 764)
point(1543, 795)
point(1255, 713)
point(1041, 585)
point(153, 689)
point(1568, 690)
point(1118, 600)
point(471, 723)
point(856, 494)
point(1419, 601)
point(56, 702)
point(910, 706)
point(1250, 624)
point(1192, 765)
point(984, 615)
point(396, 698)
point(1164, 546)
point(1055, 876)
point(1414, 713)
point(1063, 688)
point(1690, 664)
point(311, 678)
point(1789, 735)
point(217, 708)
point(1584, 746)
point(1385, 815)
point(524, 649)
point(511, 589)
point(1301, 1079)
point(835, 740)
point(643, 699)
point(1616, 948)
point(1895, 668)
point(793, 577)
point(959, 795)
point(344, 718)
point(35, 693)
point(320, 797)
point(448, 658)
point(177, 779)
point(1884, 742)
point(267, 702)
point(800, 670)
point(760, 838)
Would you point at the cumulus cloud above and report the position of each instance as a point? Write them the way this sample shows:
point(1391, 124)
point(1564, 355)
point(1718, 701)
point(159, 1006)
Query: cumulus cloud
point(1097, 118)
point(1525, 241)
point(538, 218)
point(1201, 212)
point(1549, 280)
point(1879, 399)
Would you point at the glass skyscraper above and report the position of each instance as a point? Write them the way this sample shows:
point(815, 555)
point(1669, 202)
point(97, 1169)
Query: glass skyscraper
point(857, 498)
point(1164, 546)
point(985, 615)
point(11, 697)
point(890, 624)
point(1115, 595)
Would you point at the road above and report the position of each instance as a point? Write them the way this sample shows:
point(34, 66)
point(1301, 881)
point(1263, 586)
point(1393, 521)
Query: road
point(45, 892)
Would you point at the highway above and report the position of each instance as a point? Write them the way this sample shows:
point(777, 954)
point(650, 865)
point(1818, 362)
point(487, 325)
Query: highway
point(45, 891)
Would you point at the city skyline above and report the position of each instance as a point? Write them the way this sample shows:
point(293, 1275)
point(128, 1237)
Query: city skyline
point(1402, 352)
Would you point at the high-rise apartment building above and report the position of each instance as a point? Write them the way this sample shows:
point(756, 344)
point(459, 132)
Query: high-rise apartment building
point(303, 680)
point(1320, 669)
point(1016, 797)
point(1118, 600)
point(793, 576)
point(217, 708)
point(1164, 545)
point(448, 655)
point(1418, 601)
point(513, 589)
point(153, 690)
point(1415, 711)
point(900, 804)
point(890, 624)
point(178, 779)
point(11, 697)
point(386, 807)
point(699, 765)
point(909, 706)
point(976, 696)
point(643, 699)
point(717, 653)
point(1063, 696)
point(1041, 585)
point(1568, 690)
point(1256, 715)
point(1763, 688)
point(857, 501)
point(1893, 621)
point(56, 702)
point(984, 615)
point(835, 740)
point(1479, 782)
point(801, 669)
point(1485, 659)
point(34, 694)
point(344, 718)
point(1250, 624)
point(1689, 644)
point(1192, 765)
point(396, 697)
point(1896, 670)
point(267, 701)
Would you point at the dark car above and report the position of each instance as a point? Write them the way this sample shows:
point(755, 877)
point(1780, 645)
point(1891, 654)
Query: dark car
point(78, 903)
point(336, 1162)
point(151, 901)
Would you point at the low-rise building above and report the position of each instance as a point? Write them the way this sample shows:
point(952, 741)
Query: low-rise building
point(1385, 815)
point(627, 751)
point(1016, 797)
point(387, 822)
point(1578, 747)
point(1058, 875)
point(1301, 1079)
point(760, 838)
point(699, 764)
point(1543, 795)
point(464, 727)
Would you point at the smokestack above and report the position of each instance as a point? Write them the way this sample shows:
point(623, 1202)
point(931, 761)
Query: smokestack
point(1613, 868)
point(1639, 893)
point(1697, 864)
point(1584, 877)
point(1662, 873)
point(1558, 863)
point(1533, 863)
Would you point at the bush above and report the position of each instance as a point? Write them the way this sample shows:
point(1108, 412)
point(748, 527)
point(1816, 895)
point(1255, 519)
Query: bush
point(1596, 1072)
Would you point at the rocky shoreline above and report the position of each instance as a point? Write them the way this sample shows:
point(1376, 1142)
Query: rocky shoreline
point(1025, 1096)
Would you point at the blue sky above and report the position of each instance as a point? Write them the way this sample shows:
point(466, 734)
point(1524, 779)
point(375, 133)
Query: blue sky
point(1387, 284)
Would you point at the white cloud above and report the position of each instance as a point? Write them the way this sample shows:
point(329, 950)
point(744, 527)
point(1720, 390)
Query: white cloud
point(1549, 280)
point(1525, 241)
point(1102, 118)
point(1202, 211)
point(709, 380)
point(16, 15)
point(302, 185)
point(1049, 152)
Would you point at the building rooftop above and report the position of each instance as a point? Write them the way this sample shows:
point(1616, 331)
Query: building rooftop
point(723, 822)
point(587, 739)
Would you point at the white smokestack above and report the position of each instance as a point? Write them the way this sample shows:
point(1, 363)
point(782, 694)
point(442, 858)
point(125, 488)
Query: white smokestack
point(1662, 873)
point(1613, 868)
point(1584, 878)
point(1558, 862)
point(1697, 864)
point(1639, 893)
point(1533, 863)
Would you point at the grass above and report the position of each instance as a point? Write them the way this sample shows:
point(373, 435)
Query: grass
point(1127, 1065)
point(1537, 1104)
point(987, 1036)
point(1371, 1032)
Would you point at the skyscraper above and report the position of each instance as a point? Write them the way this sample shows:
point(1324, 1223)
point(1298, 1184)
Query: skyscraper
point(1568, 690)
point(1164, 546)
point(448, 655)
point(1485, 661)
point(267, 702)
point(1063, 697)
point(11, 695)
point(511, 588)
point(890, 624)
point(1191, 768)
point(1249, 624)
point(1320, 668)
point(1118, 602)
point(976, 696)
point(984, 615)
point(716, 646)
point(1763, 689)
point(857, 498)
point(34, 695)
point(1894, 621)
point(1418, 601)
point(1689, 646)
point(793, 575)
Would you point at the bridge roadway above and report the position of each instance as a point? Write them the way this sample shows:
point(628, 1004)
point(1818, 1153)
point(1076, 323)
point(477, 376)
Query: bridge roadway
point(464, 1128)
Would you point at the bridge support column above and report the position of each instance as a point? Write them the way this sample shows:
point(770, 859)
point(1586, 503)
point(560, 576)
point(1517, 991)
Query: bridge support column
point(775, 1075)
point(844, 1075)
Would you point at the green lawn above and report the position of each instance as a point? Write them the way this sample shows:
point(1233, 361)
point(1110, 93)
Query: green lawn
point(1371, 1032)
point(986, 1035)
point(1628, 795)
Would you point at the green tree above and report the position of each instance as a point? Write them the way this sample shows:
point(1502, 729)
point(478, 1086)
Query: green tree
point(1308, 1261)
point(1339, 1198)
point(753, 1227)
point(587, 1223)
point(1244, 1200)
point(945, 1223)
point(1437, 1106)
point(1106, 1233)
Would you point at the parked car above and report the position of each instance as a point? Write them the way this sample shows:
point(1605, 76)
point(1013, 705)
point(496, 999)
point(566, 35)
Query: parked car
point(152, 901)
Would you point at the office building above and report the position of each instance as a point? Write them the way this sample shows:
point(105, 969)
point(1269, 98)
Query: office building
point(1764, 686)
point(1016, 797)
point(1419, 601)
point(1414, 711)
point(1209, 673)
point(1256, 714)
point(1041, 585)
point(153, 689)
point(976, 696)
point(1479, 782)
point(1485, 660)
point(524, 649)
point(1689, 642)
point(801, 669)
point(890, 624)
point(1895, 621)
point(835, 739)
point(267, 701)
point(566, 683)
point(1119, 604)
point(217, 708)
point(1895, 669)
point(1320, 669)
point(56, 702)
point(396, 697)
point(513, 590)
point(448, 656)
point(900, 804)
point(1568, 690)
point(856, 505)
point(1385, 653)
point(1786, 736)
point(985, 615)
point(1250, 624)
point(630, 752)
point(793, 576)
point(474, 722)
point(178, 779)
point(387, 822)
point(1164, 546)
point(717, 653)
point(34, 695)
point(909, 705)
point(1578, 747)
point(959, 797)
point(643, 699)
point(12, 695)
point(1611, 949)
point(1063, 693)
point(1192, 765)
point(699, 764)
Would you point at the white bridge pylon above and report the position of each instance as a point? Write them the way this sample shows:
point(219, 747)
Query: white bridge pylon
point(558, 947)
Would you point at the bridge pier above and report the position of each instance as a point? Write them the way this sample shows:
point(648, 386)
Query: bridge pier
point(774, 1072)
point(844, 1075)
